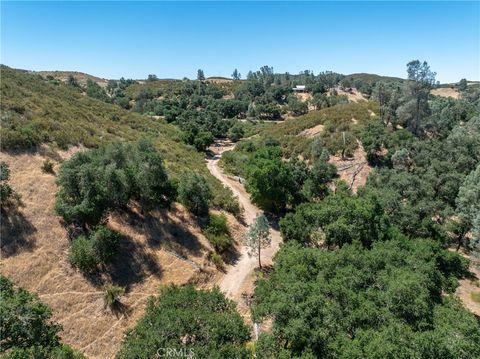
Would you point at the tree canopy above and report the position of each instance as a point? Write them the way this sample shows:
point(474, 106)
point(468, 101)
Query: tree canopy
point(201, 322)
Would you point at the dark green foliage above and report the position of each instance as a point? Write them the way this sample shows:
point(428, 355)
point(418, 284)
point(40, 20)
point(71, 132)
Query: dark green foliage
point(269, 180)
point(198, 138)
point(468, 200)
point(360, 303)
point(26, 330)
point(201, 322)
point(95, 182)
point(194, 192)
point(296, 106)
point(236, 132)
point(104, 243)
point(47, 166)
point(236, 75)
point(217, 233)
point(320, 175)
point(462, 85)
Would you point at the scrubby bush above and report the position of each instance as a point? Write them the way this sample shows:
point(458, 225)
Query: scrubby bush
point(105, 243)
point(47, 166)
point(88, 252)
point(82, 255)
point(7, 194)
point(236, 132)
point(112, 294)
point(217, 260)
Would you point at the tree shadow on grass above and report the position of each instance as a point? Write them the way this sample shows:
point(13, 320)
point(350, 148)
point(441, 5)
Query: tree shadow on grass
point(133, 263)
point(160, 231)
point(16, 233)
point(118, 309)
point(231, 256)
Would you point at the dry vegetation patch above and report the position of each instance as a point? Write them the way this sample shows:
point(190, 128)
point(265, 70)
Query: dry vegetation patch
point(354, 170)
point(446, 92)
point(469, 288)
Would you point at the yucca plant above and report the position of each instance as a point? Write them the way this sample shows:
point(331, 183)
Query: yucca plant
point(112, 294)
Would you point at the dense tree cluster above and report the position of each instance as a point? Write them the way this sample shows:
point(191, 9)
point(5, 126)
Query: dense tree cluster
point(276, 184)
point(95, 182)
point(385, 302)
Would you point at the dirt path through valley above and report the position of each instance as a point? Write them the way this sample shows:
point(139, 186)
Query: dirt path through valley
point(239, 276)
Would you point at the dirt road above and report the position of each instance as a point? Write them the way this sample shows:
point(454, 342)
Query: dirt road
point(239, 276)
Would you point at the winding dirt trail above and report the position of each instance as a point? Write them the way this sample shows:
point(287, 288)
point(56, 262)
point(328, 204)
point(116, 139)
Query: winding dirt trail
point(239, 276)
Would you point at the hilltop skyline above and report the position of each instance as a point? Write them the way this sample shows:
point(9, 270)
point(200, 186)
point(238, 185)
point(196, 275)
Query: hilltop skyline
point(173, 40)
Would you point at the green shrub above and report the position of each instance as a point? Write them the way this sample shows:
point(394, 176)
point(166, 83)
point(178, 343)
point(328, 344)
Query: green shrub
point(217, 233)
point(217, 260)
point(100, 247)
point(105, 243)
point(95, 182)
point(217, 224)
point(200, 322)
point(7, 194)
point(112, 294)
point(82, 255)
point(221, 242)
point(47, 166)
point(226, 201)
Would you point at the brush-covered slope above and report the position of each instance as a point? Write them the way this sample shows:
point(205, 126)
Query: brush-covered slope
point(35, 111)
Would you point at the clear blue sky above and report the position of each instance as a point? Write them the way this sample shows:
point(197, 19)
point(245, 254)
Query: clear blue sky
point(132, 39)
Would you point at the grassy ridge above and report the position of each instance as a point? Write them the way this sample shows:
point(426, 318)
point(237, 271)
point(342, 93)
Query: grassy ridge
point(34, 111)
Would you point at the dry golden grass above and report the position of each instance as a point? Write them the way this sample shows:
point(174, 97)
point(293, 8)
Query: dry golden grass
point(445, 92)
point(304, 96)
point(35, 249)
point(312, 132)
point(353, 96)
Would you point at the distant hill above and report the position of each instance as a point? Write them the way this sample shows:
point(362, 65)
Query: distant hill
point(80, 76)
point(371, 78)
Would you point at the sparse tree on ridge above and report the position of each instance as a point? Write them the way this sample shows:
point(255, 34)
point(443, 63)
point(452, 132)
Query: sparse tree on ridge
point(462, 85)
point(421, 81)
point(236, 75)
point(258, 237)
point(200, 75)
